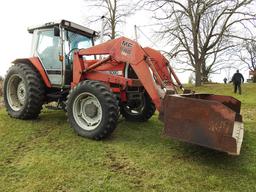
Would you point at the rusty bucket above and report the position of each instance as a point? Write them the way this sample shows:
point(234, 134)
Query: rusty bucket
point(208, 120)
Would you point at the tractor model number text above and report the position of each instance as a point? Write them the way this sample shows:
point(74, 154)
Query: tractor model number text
point(113, 72)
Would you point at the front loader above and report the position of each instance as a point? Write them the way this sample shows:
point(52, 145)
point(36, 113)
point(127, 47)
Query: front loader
point(95, 83)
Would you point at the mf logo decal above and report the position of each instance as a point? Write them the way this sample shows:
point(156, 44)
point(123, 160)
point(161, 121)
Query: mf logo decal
point(126, 48)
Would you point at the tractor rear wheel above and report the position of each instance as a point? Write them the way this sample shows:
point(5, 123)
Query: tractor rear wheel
point(92, 110)
point(138, 111)
point(23, 92)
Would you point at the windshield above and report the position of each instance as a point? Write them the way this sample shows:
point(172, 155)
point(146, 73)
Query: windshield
point(76, 41)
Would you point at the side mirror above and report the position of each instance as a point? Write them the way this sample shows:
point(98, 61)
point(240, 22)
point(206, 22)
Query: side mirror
point(56, 30)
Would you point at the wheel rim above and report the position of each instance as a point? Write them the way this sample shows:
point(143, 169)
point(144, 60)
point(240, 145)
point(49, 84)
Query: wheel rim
point(87, 111)
point(16, 92)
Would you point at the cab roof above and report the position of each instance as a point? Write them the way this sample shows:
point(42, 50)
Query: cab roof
point(68, 25)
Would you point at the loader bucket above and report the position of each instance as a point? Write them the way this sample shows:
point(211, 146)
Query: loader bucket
point(212, 121)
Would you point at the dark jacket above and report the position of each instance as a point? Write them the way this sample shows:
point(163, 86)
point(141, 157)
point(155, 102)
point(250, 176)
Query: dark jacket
point(237, 78)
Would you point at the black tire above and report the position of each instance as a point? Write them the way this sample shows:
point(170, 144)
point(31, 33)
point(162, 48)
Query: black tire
point(34, 94)
point(108, 107)
point(147, 110)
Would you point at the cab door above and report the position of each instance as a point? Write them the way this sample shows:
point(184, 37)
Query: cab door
point(49, 50)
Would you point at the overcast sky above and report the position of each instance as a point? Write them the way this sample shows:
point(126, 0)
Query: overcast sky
point(17, 15)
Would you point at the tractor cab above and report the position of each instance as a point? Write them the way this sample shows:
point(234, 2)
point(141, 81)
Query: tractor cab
point(54, 44)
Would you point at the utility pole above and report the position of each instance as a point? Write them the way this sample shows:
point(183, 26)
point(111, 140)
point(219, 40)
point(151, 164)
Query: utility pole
point(102, 28)
point(102, 31)
point(135, 32)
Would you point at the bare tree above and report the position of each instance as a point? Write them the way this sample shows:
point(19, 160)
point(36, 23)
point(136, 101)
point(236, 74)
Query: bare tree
point(248, 56)
point(201, 30)
point(113, 11)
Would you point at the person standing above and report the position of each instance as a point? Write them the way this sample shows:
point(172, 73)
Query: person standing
point(237, 79)
point(225, 80)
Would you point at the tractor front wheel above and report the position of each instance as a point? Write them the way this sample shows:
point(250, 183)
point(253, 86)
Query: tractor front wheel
point(138, 111)
point(92, 110)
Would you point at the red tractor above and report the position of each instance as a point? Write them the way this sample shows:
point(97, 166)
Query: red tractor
point(125, 78)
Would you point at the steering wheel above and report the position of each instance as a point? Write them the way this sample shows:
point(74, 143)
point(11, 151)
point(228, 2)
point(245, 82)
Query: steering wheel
point(69, 56)
point(72, 50)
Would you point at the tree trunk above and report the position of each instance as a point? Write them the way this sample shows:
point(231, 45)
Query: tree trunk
point(198, 79)
point(113, 33)
point(254, 78)
point(205, 72)
point(198, 75)
point(113, 29)
point(205, 77)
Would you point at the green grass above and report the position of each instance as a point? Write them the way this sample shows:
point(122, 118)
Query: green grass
point(46, 155)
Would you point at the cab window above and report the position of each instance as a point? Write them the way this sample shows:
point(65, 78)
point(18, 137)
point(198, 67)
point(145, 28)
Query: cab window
point(76, 41)
point(49, 49)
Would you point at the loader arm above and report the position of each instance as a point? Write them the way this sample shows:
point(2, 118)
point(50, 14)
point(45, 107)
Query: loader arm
point(153, 77)
point(208, 120)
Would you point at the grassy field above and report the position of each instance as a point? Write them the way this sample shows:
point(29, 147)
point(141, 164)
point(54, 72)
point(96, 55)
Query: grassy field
point(46, 155)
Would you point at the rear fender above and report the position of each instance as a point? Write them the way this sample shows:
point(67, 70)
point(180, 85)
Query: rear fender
point(37, 64)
